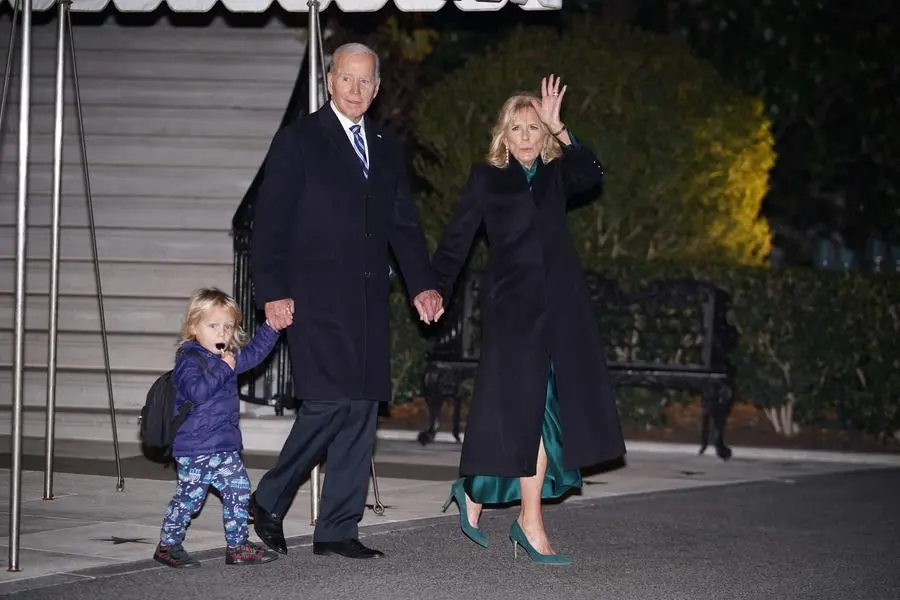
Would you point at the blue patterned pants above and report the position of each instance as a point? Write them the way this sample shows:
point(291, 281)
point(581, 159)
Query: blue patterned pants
point(226, 473)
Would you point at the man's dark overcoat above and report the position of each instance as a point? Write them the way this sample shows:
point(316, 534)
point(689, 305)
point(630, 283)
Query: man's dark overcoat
point(321, 236)
point(534, 308)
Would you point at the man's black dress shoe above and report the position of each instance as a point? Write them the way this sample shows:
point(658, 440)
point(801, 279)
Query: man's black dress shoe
point(349, 548)
point(267, 526)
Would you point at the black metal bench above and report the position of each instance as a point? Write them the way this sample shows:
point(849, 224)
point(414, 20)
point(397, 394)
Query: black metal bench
point(669, 335)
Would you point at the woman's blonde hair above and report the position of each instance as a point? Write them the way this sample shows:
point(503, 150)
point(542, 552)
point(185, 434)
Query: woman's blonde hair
point(202, 301)
point(498, 154)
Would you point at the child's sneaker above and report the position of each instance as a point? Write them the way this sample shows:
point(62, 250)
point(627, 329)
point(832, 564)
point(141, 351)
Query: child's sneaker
point(174, 556)
point(248, 554)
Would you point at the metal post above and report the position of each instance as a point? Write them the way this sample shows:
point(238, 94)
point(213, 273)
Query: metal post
point(15, 468)
point(378, 506)
point(312, 59)
point(79, 117)
point(10, 51)
point(321, 89)
point(314, 104)
point(49, 435)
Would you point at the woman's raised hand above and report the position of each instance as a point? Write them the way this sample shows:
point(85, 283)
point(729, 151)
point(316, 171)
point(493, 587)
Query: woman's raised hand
point(549, 105)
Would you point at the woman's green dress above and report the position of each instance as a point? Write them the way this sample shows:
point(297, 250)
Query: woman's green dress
point(486, 489)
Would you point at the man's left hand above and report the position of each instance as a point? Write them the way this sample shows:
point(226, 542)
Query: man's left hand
point(430, 305)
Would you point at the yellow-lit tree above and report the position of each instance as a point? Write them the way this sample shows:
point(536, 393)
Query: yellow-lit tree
point(687, 155)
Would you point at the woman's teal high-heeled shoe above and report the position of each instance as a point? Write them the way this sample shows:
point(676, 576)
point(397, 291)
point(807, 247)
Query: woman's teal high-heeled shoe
point(518, 539)
point(459, 494)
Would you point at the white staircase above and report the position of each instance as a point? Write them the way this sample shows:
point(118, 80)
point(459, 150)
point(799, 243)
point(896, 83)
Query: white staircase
point(177, 122)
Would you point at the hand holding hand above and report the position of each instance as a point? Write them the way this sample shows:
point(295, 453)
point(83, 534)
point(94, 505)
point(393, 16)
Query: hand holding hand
point(430, 305)
point(280, 313)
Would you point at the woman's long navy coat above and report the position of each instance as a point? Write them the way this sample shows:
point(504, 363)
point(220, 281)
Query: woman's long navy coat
point(535, 307)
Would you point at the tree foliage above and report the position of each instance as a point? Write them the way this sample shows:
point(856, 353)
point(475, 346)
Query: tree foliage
point(687, 155)
point(403, 41)
point(831, 89)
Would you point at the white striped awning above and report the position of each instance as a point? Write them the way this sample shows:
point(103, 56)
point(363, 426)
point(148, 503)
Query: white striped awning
point(258, 6)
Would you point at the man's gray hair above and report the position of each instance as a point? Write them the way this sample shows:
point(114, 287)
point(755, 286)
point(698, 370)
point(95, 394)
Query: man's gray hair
point(356, 48)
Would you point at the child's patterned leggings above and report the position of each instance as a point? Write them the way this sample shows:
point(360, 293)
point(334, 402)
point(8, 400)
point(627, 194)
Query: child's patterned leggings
point(224, 471)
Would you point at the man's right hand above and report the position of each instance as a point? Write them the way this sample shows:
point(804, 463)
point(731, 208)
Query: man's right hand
point(280, 313)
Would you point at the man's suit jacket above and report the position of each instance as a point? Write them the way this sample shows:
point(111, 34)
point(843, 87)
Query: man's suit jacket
point(321, 236)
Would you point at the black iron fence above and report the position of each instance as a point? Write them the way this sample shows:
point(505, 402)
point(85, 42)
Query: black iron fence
point(270, 383)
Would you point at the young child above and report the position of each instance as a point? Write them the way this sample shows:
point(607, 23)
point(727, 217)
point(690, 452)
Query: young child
point(212, 352)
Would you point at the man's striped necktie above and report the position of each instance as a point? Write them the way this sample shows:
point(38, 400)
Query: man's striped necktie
point(360, 148)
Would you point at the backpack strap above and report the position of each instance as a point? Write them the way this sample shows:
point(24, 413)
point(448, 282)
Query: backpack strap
point(200, 358)
point(187, 405)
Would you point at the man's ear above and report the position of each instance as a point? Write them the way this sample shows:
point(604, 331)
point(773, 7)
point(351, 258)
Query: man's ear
point(329, 83)
point(377, 87)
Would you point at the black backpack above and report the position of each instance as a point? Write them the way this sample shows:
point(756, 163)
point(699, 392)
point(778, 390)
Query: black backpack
point(158, 421)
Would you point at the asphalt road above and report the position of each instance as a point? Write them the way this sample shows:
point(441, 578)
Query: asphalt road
point(821, 537)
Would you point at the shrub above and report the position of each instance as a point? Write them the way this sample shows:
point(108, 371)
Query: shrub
point(827, 88)
point(408, 346)
point(814, 348)
point(686, 154)
point(687, 159)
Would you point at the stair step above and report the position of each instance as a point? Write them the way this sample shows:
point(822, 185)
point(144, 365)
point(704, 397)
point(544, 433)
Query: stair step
point(151, 212)
point(173, 280)
point(177, 122)
point(137, 245)
point(103, 149)
point(86, 389)
point(139, 180)
point(76, 425)
point(82, 350)
point(186, 65)
point(138, 93)
point(81, 313)
point(265, 434)
point(151, 121)
point(81, 389)
point(282, 37)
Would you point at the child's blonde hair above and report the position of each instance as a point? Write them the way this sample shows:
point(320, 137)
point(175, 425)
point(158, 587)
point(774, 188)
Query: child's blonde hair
point(201, 301)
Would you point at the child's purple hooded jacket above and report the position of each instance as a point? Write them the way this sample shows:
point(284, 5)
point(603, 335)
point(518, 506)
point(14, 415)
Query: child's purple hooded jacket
point(212, 424)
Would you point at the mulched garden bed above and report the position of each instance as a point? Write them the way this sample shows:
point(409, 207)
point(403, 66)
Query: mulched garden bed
point(747, 426)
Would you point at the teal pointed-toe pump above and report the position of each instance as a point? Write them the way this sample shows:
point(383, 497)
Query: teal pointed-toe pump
point(458, 493)
point(517, 535)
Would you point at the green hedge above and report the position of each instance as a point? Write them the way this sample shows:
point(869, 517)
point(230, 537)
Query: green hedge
point(408, 346)
point(687, 160)
point(687, 155)
point(815, 348)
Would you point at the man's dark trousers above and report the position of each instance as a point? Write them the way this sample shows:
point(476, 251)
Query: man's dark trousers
point(344, 431)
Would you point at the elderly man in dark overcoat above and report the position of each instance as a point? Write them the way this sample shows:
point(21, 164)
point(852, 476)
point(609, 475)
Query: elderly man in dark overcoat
point(334, 199)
